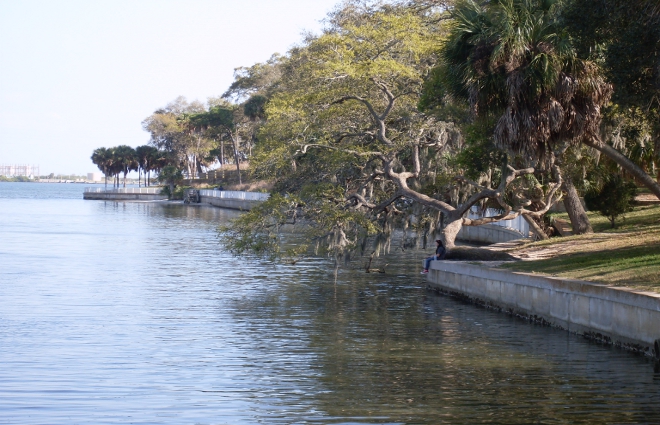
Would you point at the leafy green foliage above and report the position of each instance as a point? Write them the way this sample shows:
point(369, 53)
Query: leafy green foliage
point(116, 160)
point(259, 230)
point(514, 60)
point(613, 199)
point(480, 154)
point(623, 35)
point(320, 142)
point(172, 176)
point(254, 107)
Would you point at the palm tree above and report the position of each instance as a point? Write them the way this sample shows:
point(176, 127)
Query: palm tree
point(126, 159)
point(144, 155)
point(102, 158)
point(161, 159)
point(511, 59)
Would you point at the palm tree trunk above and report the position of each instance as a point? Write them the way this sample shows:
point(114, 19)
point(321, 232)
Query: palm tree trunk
point(626, 164)
point(575, 210)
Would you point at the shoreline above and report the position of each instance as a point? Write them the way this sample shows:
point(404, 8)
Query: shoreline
point(619, 316)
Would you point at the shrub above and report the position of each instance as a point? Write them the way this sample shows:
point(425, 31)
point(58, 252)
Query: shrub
point(613, 199)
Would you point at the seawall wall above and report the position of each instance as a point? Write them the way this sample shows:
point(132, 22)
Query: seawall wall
point(487, 233)
point(234, 204)
point(124, 196)
point(615, 315)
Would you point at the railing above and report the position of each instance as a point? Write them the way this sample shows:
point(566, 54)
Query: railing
point(143, 190)
point(518, 224)
point(233, 194)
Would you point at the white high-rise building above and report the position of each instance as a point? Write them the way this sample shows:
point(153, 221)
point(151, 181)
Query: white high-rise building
point(94, 177)
point(19, 170)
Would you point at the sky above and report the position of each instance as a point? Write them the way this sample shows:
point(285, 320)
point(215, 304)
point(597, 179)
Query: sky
point(76, 75)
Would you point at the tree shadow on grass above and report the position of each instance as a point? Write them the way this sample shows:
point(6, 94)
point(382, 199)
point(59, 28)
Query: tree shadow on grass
point(639, 265)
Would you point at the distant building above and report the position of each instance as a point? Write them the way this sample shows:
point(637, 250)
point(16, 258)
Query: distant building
point(19, 170)
point(94, 177)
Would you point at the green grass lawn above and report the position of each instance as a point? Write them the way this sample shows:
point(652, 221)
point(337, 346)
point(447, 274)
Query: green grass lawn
point(628, 255)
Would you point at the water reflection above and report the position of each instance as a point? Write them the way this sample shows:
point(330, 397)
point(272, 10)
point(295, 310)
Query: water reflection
point(387, 351)
point(130, 312)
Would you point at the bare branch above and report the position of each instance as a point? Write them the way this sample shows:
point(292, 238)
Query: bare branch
point(380, 123)
point(343, 136)
point(390, 98)
point(465, 180)
point(303, 150)
point(487, 220)
point(361, 201)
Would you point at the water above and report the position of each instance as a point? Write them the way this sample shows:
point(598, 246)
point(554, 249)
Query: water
point(131, 313)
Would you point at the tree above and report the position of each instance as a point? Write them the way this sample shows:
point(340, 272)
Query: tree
point(624, 37)
point(170, 175)
point(259, 79)
point(102, 158)
point(350, 151)
point(237, 123)
point(513, 60)
point(172, 131)
point(145, 156)
point(126, 160)
point(614, 198)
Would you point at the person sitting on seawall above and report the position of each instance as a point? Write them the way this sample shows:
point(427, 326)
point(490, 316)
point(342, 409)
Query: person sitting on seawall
point(440, 253)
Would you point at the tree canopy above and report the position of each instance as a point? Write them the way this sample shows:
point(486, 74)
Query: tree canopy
point(407, 114)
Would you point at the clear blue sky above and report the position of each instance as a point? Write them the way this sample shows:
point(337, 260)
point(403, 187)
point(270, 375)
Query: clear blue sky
point(80, 74)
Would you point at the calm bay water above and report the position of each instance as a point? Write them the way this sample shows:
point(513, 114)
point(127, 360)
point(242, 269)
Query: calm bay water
point(131, 313)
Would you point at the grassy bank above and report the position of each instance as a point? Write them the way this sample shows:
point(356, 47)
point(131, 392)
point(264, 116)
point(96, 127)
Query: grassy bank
point(628, 255)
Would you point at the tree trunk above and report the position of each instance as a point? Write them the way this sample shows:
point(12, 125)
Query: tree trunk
point(626, 164)
point(222, 154)
point(200, 171)
point(449, 233)
point(235, 142)
point(535, 227)
point(575, 210)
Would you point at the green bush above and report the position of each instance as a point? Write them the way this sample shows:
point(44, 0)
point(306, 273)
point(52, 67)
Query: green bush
point(178, 192)
point(614, 198)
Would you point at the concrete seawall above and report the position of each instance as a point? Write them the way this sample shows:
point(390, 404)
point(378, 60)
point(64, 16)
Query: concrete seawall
point(234, 204)
point(615, 315)
point(124, 196)
point(488, 233)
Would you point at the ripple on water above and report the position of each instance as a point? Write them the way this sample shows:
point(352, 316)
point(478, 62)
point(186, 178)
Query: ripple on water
point(130, 312)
